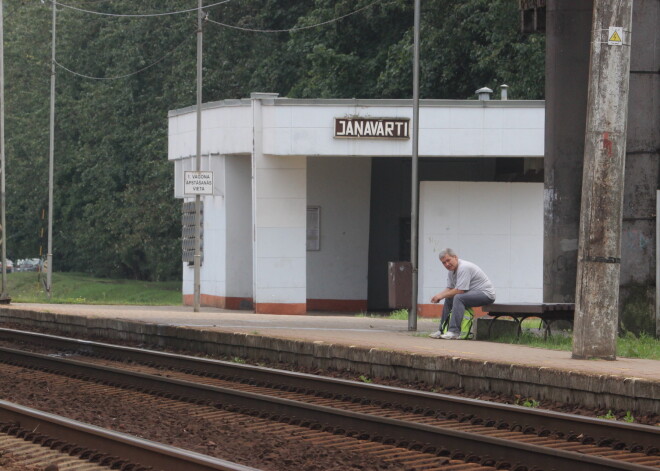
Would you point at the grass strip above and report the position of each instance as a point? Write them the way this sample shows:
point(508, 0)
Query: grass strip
point(628, 345)
point(78, 288)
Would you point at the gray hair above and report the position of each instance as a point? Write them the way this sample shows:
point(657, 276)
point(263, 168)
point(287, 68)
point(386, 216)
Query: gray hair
point(445, 252)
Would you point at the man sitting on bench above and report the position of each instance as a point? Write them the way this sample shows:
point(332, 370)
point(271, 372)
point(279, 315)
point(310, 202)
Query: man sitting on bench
point(467, 286)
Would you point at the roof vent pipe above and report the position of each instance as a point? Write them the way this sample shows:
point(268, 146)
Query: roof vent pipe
point(503, 92)
point(484, 93)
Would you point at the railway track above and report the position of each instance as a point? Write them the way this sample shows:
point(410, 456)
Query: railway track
point(41, 439)
point(420, 430)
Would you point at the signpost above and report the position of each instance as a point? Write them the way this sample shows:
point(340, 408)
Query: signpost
point(198, 183)
point(198, 162)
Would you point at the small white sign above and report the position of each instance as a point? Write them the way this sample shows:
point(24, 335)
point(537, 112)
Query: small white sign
point(313, 228)
point(198, 183)
point(615, 36)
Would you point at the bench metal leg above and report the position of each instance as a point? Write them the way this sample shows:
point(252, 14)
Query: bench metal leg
point(547, 331)
point(519, 322)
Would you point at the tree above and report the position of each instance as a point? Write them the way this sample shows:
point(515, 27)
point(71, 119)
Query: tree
point(115, 214)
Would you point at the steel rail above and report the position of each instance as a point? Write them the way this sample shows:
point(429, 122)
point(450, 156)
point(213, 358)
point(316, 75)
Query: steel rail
point(531, 420)
point(127, 447)
point(473, 444)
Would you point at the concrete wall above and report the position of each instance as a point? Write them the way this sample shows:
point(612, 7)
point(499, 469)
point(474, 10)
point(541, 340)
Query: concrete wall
point(638, 238)
point(213, 270)
point(226, 272)
point(279, 221)
point(226, 129)
point(568, 27)
point(450, 128)
point(337, 273)
point(497, 225)
point(280, 199)
point(239, 232)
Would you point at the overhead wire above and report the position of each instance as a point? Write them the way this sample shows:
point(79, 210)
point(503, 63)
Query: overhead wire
point(128, 74)
point(152, 64)
point(297, 28)
point(136, 15)
point(88, 1)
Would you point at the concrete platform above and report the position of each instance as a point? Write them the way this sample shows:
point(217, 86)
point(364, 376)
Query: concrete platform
point(373, 347)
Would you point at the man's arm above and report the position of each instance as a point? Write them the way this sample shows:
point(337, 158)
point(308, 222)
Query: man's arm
point(446, 293)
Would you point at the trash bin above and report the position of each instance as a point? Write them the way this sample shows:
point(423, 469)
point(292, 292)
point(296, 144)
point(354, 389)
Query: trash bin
point(399, 277)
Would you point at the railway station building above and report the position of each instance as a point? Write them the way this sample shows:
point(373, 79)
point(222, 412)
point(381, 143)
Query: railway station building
point(312, 198)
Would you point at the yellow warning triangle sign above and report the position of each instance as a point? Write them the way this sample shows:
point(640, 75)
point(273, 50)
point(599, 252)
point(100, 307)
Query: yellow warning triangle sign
point(615, 37)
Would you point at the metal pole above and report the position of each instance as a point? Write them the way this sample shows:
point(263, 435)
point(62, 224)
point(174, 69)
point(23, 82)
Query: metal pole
point(51, 166)
point(198, 161)
point(599, 248)
point(2, 153)
point(414, 217)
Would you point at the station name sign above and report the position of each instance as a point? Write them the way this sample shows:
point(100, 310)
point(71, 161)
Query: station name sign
point(374, 128)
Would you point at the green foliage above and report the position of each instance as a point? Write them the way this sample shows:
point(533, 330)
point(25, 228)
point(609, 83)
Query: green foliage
point(532, 324)
point(78, 288)
point(553, 342)
point(642, 346)
point(628, 417)
point(365, 379)
point(115, 215)
point(527, 402)
point(608, 416)
point(637, 308)
point(628, 345)
point(399, 314)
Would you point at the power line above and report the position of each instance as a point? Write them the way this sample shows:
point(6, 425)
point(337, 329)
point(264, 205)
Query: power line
point(298, 28)
point(125, 75)
point(141, 15)
point(207, 19)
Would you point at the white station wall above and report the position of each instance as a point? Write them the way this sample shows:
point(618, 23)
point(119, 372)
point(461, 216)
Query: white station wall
point(453, 128)
point(448, 128)
point(341, 187)
point(238, 180)
point(497, 225)
point(214, 224)
point(227, 221)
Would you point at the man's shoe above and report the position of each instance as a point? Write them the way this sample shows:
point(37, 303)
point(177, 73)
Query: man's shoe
point(436, 335)
point(450, 336)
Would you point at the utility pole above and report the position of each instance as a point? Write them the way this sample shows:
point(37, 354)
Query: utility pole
point(414, 212)
point(599, 250)
point(198, 163)
point(3, 154)
point(51, 163)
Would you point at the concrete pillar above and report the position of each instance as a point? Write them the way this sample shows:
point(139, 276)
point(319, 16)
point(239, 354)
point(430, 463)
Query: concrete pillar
point(599, 251)
point(213, 270)
point(568, 26)
point(279, 219)
point(238, 202)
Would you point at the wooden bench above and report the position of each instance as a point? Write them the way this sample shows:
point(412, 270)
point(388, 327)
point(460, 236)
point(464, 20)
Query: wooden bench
point(547, 312)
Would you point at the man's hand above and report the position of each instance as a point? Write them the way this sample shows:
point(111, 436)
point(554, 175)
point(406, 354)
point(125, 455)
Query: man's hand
point(447, 293)
point(437, 298)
